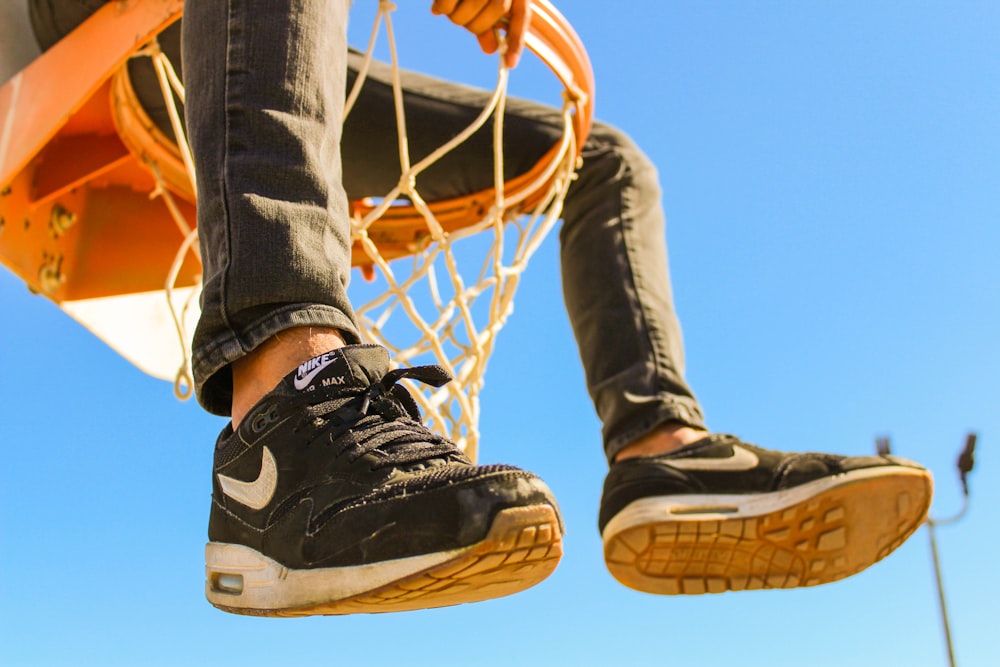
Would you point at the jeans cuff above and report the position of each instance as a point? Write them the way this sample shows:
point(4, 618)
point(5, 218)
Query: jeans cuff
point(683, 410)
point(211, 362)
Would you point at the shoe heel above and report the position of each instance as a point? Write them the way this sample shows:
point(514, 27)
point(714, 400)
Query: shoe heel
point(237, 577)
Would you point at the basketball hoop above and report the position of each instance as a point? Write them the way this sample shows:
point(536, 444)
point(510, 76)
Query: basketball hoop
point(433, 300)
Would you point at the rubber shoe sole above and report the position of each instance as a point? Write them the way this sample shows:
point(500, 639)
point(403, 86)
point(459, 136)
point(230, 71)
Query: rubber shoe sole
point(522, 548)
point(812, 534)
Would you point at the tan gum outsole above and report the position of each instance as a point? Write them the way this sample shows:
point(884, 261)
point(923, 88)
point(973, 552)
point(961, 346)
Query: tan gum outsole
point(829, 536)
point(522, 548)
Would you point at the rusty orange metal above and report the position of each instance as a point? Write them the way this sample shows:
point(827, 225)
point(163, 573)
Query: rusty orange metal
point(76, 217)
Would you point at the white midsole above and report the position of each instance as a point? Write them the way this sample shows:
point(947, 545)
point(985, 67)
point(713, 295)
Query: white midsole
point(266, 584)
point(720, 507)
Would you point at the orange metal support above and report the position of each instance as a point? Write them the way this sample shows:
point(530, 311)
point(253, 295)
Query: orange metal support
point(76, 217)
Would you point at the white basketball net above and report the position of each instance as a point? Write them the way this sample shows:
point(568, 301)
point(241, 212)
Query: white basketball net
point(447, 302)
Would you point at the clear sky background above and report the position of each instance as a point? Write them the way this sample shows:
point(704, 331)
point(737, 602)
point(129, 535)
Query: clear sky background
point(831, 175)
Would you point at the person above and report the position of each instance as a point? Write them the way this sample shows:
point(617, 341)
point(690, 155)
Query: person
point(329, 494)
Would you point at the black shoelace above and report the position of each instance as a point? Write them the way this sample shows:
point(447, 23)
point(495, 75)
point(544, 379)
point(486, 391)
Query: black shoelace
point(383, 422)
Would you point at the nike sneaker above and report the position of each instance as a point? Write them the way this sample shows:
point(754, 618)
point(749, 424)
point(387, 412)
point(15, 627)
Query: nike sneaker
point(723, 515)
point(332, 498)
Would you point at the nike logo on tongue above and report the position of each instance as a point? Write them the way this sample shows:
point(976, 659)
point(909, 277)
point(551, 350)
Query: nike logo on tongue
point(310, 369)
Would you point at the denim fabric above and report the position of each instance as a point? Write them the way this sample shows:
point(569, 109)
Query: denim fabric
point(265, 95)
point(616, 285)
point(614, 259)
point(265, 87)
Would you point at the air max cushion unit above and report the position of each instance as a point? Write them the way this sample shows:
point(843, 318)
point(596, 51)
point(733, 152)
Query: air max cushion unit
point(721, 515)
point(331, 498)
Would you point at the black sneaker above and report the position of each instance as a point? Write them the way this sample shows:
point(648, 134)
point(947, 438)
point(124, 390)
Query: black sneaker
point(333, 498)
point(723, 515)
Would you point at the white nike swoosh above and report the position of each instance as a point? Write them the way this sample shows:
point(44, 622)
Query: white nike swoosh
point(258, 493)
point(742, 459)
point(303, 382)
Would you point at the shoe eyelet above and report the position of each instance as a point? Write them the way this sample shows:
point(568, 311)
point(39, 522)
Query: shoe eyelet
point(264, 419)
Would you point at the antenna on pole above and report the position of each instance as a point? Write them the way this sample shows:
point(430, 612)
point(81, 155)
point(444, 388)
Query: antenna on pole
point(965, 463)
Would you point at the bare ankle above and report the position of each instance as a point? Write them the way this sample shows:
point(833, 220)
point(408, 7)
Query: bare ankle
point(661, 440)
point(262, 369)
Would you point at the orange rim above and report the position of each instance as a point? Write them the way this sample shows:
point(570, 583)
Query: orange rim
point(62, 147)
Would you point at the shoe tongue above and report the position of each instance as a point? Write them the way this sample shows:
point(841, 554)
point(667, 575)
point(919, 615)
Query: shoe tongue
point(347, 368)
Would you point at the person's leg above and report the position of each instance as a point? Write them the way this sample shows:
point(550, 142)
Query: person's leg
point(436, 110)
point(683, 511)
point(617, 289)
point(265, 95)
point(329, 494)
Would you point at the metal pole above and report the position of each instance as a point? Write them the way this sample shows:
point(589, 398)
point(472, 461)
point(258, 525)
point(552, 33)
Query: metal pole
point(965, 464)
point(940, 590)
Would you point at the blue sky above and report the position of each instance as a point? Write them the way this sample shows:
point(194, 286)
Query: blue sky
point(830, 175)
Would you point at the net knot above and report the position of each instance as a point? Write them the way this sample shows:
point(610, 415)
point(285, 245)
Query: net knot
point(407, 183)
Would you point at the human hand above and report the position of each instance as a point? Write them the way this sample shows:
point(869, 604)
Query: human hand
point(483, 17)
